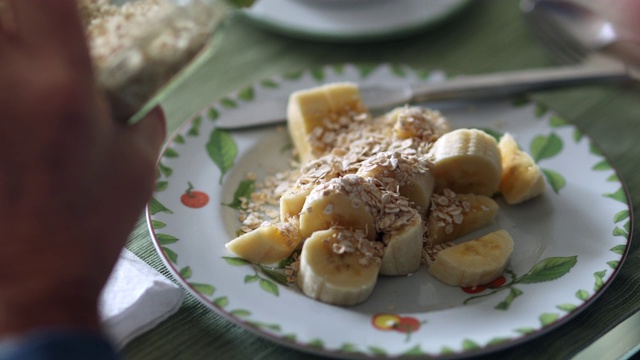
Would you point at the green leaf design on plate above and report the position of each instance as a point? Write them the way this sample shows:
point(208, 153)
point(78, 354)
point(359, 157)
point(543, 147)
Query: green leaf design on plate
point(377, 351)
point(497, 341)
point(613, 178)
point(161, 186)
point(338, 68)
point(275, 275)
point(613, 264)
point(620, 232)
point(545, 147)
point(164, 239)
point(619, 249)
point(520, 101)
point(469, 345)
point(170, 254)
point(445, 350)
point(170, 153)
point(621, 215)
point(251, 278)
point(165, 170)
point(317, 74)
point(236, 261)
point(222, 301)
point(577, 135)
point(156, 206)
point(246, 94)
point(293, 75)
point(525, 331)
point(513, 293)
point(554, 179)
point(366, 70)
point(627, 226)
point(549, 269)
point(541, 110)
point(595, 150)
point(269, 286)
point(557, 121)
point(348, 347)
point(316, 343)
point(547, 319)
point(289, 337)
point(240, 313)
point(223, 150)
point(416, 350)
point(179, 139)
point(582, 295)
point(243, 191)
point(242, 3)
point(213, 114)
point(599, 275)
point(194, 129)
point(186, 272)
point(423, 74)
point(618, 195)
point(398, 71)
point(269, 84)
point(157, 224)
point(204, 289)
point(602, 166)
point(229, 103)
point(567, 307)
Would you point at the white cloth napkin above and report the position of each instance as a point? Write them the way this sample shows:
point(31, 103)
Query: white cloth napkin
point(135, 299)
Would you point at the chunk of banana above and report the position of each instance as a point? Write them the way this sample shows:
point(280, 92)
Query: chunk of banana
point(334, 269)
point(522, 178)
point(310, 112)
point(417, 122)
point(403, 172)
point(266, 244)
point(452, 215)
point(466, 161)
point(475, 262)
point(349, 201)
point(403, 250)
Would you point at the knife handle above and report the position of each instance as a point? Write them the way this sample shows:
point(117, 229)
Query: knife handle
point(518, 82)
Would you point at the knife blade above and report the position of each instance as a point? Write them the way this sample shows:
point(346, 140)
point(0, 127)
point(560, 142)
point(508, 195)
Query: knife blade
point(381, 97)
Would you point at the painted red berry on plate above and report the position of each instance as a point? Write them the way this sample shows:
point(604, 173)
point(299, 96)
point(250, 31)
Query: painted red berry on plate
point(408, 325)
point(474, 289)
point(193, 198)
point(499, 281)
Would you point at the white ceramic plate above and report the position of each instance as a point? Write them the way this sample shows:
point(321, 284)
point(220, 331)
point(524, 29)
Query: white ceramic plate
point(350, 20)
point(569, 242)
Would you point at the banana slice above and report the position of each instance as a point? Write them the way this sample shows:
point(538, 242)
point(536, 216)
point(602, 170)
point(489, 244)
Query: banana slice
point(466, 161)
point(452, 215)
point(522, 178)
point(349, 201)
point(475, 262)
point(266, 244)
point(417, 122)
point(403, 250)
point(312, 112)
point(401, 171)
point(338, 266)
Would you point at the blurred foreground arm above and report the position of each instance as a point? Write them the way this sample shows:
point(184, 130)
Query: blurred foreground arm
point(73, 180)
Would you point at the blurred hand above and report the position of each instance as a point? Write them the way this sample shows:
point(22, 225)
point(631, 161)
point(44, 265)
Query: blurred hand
point(73, 180)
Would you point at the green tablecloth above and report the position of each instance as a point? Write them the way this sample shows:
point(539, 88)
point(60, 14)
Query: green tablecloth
point(487, 36)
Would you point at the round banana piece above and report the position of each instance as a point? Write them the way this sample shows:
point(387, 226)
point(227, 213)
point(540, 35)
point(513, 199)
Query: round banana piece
point(466, 161)
point(522, 178)
point(338, 266)
point(453, 215)
point(349, 201)
point(401, 171)
point(266, 244)
point(475, 262)
point(419, 123)
point(403, 249)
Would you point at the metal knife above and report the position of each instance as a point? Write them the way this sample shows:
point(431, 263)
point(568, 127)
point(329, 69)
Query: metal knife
point(382, 97)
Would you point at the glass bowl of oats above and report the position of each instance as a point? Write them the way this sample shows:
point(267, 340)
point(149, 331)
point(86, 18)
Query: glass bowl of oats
point(140, 48)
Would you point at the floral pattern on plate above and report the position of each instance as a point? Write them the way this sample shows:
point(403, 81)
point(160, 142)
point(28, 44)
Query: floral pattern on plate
point(569, 242)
